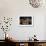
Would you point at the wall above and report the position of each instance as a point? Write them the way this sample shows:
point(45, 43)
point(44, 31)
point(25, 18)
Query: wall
point(15, 8)
point(45, 28)
point(23, 32)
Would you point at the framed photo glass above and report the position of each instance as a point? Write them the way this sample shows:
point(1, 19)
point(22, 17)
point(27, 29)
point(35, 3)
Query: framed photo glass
point(26, 20)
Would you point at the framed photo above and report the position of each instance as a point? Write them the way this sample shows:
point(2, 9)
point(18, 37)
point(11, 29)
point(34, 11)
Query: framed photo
point(26, 20)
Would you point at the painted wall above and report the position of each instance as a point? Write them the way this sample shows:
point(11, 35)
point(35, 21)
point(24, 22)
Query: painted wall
point(15, 8)
point(24, 32)
point(45, 29)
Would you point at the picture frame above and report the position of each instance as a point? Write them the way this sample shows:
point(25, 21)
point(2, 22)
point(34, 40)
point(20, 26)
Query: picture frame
point(26, 20)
